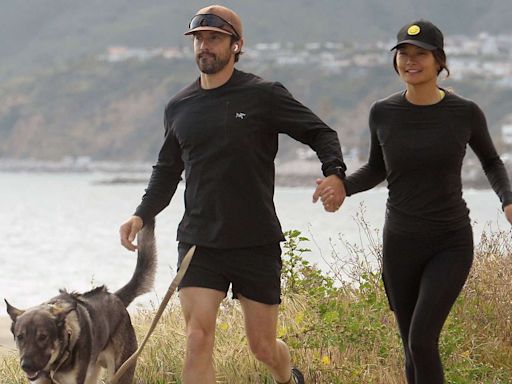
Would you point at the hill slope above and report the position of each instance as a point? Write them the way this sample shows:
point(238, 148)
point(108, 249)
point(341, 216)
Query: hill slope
point(46, 32)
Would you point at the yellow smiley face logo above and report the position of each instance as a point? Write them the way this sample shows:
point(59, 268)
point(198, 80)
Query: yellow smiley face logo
point(413, 30)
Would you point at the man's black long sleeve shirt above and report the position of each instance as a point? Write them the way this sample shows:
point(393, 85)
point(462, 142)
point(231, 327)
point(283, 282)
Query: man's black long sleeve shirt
point(226, 140)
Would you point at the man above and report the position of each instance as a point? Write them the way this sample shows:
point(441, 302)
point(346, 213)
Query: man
point(223, 131)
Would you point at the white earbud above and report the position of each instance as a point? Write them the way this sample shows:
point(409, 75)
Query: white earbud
point(235, 48)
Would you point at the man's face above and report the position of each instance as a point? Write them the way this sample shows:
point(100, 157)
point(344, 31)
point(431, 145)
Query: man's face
point(212, 50)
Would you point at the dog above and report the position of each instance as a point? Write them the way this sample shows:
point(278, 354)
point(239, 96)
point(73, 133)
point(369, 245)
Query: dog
point(71, 337)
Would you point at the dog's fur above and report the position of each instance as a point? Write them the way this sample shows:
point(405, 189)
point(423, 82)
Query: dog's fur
point(73, 335)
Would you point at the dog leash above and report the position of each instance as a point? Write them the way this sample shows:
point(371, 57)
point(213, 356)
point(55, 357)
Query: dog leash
point(174, 284)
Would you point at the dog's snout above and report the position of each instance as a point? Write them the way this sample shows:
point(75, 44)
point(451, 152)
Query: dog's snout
point(27, 365)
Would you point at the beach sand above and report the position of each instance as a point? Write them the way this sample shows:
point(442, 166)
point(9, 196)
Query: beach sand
point(6, 339)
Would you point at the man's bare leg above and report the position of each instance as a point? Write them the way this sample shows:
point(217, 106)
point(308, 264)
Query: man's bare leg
point(260, 327)
point(200, 307)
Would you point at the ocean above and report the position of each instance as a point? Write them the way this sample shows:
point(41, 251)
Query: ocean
point(60, 230)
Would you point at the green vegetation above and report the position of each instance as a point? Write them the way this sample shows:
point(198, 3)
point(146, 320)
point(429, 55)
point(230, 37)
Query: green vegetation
point(339, 326)
point(58, 100)
point(99, 109)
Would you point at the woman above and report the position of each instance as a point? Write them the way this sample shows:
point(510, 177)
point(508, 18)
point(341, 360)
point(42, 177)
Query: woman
point(418, 142)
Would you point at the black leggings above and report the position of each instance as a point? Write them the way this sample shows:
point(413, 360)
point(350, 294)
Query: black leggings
point(423, 276)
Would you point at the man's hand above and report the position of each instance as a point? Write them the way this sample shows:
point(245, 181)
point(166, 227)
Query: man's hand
point(508, 212)
point(129, 230)
point(331, 191)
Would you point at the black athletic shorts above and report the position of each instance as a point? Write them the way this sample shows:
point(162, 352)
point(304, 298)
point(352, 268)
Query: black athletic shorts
point(254, 272)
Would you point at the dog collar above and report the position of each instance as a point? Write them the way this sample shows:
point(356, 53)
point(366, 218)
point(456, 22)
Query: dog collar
point(63, 357)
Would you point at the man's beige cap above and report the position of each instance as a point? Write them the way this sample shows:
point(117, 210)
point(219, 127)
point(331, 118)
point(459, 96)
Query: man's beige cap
point(234, 23)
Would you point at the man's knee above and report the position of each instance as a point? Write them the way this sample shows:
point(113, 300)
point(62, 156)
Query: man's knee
point(199, 340)
point(264, 351)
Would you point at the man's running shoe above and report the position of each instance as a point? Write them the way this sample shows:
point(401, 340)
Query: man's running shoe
point(297, 376)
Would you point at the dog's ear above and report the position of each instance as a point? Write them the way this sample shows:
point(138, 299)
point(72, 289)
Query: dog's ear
point(61, 309)
point(13, 312)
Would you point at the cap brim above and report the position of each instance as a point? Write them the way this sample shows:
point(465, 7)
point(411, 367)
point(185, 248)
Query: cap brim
point(417, 43)
point(207, 28)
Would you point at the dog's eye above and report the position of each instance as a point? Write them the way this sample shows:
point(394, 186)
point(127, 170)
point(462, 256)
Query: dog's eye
point(20, 338)
point(42, 337)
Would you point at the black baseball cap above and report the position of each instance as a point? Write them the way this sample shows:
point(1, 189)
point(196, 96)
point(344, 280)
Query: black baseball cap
point(421, 33)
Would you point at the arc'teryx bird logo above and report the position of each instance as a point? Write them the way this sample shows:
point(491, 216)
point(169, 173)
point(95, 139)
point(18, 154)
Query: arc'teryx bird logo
point(240, 115)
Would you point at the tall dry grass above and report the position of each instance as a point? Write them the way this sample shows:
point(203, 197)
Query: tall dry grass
point(339, 327)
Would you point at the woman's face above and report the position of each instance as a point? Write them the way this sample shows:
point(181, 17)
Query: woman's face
point(416, 66)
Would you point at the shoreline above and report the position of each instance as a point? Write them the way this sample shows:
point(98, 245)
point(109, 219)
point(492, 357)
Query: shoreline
point(6, 340)
point(288, 173)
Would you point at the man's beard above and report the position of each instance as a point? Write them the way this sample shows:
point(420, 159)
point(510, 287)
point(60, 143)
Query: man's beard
point(210, 63)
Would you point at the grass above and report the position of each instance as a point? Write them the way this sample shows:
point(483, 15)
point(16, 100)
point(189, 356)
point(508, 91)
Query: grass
point(339, 327)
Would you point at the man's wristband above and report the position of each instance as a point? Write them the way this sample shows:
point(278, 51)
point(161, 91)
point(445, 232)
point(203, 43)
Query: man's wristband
point(338, 171)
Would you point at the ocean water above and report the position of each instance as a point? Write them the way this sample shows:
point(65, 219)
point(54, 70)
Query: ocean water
point(61, 231)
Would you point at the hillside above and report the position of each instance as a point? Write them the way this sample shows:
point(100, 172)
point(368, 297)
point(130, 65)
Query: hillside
point(114, 111)
point(43, 33)
point(59, 97)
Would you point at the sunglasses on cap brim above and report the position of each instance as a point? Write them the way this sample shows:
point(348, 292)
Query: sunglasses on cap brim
point(211, 20)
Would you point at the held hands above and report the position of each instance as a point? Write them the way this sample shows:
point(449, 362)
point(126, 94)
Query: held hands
point(508, 212)
point(331, 192)
point(129, 230)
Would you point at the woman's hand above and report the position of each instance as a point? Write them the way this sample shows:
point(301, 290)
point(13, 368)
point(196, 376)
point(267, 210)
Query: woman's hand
point(331, 191)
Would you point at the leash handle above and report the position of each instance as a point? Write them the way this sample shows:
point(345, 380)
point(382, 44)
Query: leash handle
point(170, 291)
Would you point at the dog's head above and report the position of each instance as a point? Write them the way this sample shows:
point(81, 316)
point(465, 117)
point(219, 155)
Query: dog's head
point(41, 336)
